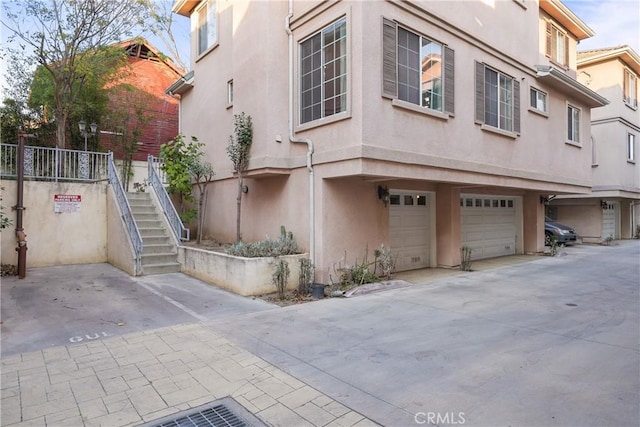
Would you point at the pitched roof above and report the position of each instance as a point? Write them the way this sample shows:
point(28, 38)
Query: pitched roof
point(143, 49)
point(624, 52)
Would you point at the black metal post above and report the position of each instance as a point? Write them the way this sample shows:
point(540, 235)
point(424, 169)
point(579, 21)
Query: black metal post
point(20, 235)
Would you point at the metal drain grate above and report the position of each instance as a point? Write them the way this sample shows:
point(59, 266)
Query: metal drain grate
point(222, 413)
point(218, 416)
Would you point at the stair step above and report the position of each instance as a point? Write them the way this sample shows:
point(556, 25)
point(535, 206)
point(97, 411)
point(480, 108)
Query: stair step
point(146, 216)
point(156, 240)
point(152, 232)
point(157, 248)
point(159, 258)
point(149, 223)
point(150, 269)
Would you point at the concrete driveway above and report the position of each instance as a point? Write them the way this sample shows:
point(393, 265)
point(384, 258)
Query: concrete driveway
point(68, 304)
point(552, 342)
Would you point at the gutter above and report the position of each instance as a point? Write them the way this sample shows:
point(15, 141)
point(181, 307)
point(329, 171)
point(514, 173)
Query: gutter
point(307, 141)
point(569, 85)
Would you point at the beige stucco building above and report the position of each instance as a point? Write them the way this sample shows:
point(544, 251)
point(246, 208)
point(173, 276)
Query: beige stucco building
point(612, 208)
point(422, 125)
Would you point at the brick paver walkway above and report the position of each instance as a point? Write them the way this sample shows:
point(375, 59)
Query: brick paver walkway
point(136, 378)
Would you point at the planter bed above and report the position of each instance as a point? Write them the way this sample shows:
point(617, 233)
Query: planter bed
point(243, 276)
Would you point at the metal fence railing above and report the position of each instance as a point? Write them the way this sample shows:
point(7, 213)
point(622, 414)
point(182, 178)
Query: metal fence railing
point(169, 210)
point(127, 215)
point(54, 164)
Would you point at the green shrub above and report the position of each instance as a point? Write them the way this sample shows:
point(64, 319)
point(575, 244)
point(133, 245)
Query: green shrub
point(281, 277)
point(285, 245)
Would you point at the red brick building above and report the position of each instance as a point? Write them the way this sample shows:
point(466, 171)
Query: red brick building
point(142, 89)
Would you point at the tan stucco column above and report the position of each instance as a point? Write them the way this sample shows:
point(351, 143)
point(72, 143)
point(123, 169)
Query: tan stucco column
point(448, 225)
point(532, 223)
point(625, 219)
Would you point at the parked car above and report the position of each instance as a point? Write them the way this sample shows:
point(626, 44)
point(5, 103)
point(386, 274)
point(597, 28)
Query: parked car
point(562, 233)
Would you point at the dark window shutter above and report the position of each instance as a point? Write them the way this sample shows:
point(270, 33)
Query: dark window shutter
point(549, 53)
point(479, 92)
point(516, 106)
point(389, 59)
point(449, 88)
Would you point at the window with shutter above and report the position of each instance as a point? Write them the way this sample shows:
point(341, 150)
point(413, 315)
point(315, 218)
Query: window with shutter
point(629, 85)
point(557, 45)
point(497, 99)
point(416, 69)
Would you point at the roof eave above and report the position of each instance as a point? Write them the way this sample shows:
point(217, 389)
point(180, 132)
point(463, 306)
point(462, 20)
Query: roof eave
point(184, 7)
point(182, 85)
point(625, 53)
point(559, 80)
point(567, 18)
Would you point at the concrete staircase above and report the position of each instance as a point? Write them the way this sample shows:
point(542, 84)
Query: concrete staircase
point(159, 254)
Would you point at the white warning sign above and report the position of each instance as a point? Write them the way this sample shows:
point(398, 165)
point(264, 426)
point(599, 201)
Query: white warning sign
point(66, 202)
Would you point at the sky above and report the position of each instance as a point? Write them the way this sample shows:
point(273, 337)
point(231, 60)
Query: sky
point(615, 22)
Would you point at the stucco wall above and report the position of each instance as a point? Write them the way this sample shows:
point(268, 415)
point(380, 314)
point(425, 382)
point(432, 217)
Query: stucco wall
point(57, 238)
point(119, 249)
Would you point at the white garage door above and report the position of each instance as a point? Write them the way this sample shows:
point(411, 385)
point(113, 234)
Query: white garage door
point(488, 225)
point(409, 229)
point(609, 216)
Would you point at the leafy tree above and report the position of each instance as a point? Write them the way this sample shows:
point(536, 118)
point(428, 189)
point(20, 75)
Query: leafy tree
point(238, 151)
point(70, 39)
point(201, 174)
point(127, 119)
point(4, 220)
point(162, 27)
point(179, 158)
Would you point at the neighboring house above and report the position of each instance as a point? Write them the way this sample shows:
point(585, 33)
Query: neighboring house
point(426, 126)
point(612, 209)
point(150, 73)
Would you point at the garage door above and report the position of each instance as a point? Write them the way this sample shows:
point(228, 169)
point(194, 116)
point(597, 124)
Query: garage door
point(609, 215)
point(409, 229)
point(488, 225)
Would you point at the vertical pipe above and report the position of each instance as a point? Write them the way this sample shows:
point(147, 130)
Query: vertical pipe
point(20, 235)
point(307, 141)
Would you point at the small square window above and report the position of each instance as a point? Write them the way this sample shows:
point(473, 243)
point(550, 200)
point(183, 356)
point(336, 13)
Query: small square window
point(503, 203)
point(421, 199)
point(408, 200)
point(469, 203)
point(538, 100)
point(487, 203)
point(494, 203)
point(478, 203)
point(509, 203)
point(394, 199)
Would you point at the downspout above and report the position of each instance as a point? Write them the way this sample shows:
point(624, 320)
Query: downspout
point(293, 138)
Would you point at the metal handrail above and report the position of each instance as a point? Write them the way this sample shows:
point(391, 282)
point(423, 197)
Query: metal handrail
point(127, 214)
point(54, 164)
point(180, 231)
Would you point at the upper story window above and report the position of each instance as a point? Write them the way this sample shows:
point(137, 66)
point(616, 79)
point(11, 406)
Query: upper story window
point(557, 45)
point(629, 87)
point(416, 69)
point(538, 100)
point(323, 73)
point(573, 124)
point(497, 99)
point(631, 148)
point(207, 26)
